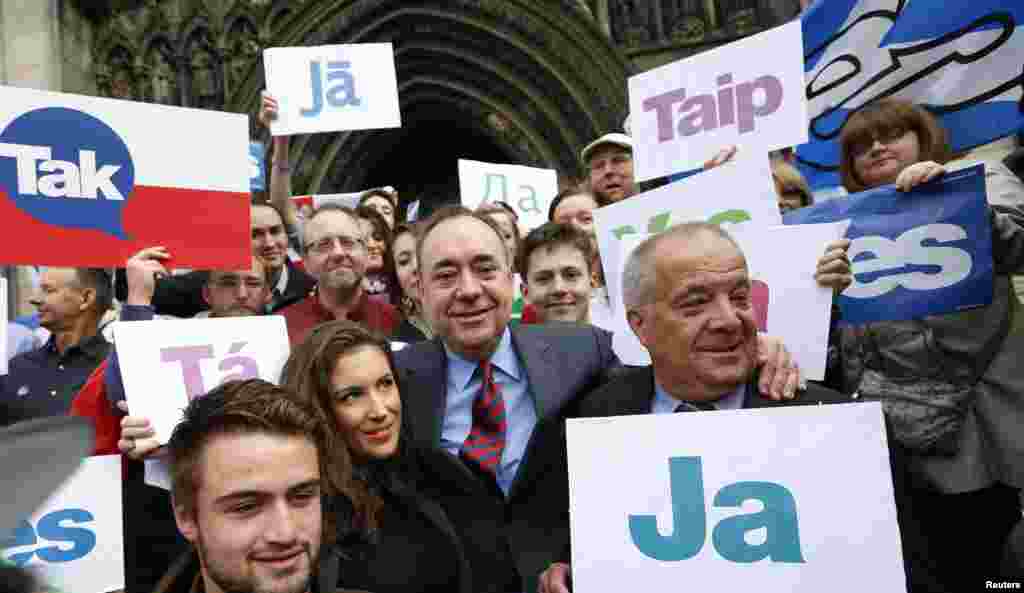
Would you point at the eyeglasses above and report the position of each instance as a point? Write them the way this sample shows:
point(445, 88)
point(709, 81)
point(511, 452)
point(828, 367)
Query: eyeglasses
point(886, 136)
point(326, 244)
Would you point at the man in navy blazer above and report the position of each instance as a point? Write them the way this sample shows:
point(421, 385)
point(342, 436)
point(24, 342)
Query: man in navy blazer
point(513, 517)
point(687, 294)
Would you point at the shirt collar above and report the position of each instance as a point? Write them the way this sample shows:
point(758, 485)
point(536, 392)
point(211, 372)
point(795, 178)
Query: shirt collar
point(357, 314)
point(664, 403)
point(282, 280)
point(504, 358)
point(91, 345)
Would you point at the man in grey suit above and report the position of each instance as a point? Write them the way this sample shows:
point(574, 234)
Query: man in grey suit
point(687, 294)
point(495, 399)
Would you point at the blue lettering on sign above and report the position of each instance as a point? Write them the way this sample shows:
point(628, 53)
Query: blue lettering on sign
point(66, 168)
point(689, 520)
point(923, 252)
point(71, 541)
point(339, 88)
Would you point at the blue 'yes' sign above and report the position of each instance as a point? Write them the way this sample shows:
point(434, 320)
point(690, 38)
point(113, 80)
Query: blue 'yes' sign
point(60, 536)
point(67, 168)
point(923, 252)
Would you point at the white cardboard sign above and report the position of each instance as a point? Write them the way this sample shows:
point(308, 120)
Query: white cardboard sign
point(740, 192)
point(75, 540)
point(165, 364)
point(528, 190)
point(749, 93)
point(792, 306)
point(330, 88)
point(743, 500)
point(351, 199)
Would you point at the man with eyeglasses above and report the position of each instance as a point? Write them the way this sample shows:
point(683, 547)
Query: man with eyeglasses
point(334, 252)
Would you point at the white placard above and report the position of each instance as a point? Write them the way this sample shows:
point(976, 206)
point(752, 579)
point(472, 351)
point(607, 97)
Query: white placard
point(4, 354)
point(330, 88)
point(749, 93)
point(631, 479)
point(528, 190)
point(412, 212)
point(75, 540)
point(737, 193)
point(165, 363)
point(350, 199)
point(781, 261)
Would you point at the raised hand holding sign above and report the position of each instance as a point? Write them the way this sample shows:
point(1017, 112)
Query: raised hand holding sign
point(167, 363)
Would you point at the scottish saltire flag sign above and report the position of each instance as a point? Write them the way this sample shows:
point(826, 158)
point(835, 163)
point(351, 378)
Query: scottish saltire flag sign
point(86, 181)
point(923, 252)
point(960, 58)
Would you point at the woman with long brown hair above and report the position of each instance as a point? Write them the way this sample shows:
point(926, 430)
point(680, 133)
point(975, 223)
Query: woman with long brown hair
point(951, 384)
point(392, 538)
point(402, 272)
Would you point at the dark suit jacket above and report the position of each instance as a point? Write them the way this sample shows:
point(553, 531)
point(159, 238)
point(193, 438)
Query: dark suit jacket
point(182, 295)
point(509, 541)
point(632, 392)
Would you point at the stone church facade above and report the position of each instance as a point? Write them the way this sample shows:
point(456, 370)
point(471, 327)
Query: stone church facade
point(526, 81)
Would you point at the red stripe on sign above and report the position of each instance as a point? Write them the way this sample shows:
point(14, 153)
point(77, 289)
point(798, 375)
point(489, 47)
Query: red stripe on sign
point(201, 229)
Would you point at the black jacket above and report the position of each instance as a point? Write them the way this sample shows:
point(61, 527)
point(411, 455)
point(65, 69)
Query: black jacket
point(415, 549)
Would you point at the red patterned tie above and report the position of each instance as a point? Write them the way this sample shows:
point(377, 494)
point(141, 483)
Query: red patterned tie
point(486, 440)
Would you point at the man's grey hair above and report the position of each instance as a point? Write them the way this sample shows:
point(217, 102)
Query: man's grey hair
point(639, 278)
point(328, 207)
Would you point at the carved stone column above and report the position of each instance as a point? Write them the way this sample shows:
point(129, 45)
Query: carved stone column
point(31, 43)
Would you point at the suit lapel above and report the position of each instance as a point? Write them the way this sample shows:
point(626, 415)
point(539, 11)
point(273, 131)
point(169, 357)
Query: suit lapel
point(425, 393)
point(540, 365)
point(638, 394)
point(538, 362)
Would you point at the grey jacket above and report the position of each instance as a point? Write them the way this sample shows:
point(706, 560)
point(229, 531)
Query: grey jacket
point(951, 348)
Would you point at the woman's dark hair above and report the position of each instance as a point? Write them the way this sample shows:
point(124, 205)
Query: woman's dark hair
point(381, 230)
point(566, 193)
point(390, 269)
point(378, 192)
point(308, 373)
point(880, 119)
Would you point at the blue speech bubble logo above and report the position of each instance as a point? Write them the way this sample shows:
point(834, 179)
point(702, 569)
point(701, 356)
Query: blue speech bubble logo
point(67, 168)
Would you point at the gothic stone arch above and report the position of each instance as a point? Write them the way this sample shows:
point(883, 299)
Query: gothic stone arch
point(537, 79)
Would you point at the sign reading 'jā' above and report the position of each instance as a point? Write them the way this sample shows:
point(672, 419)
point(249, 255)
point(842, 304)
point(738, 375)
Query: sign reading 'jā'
point(330, 88)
